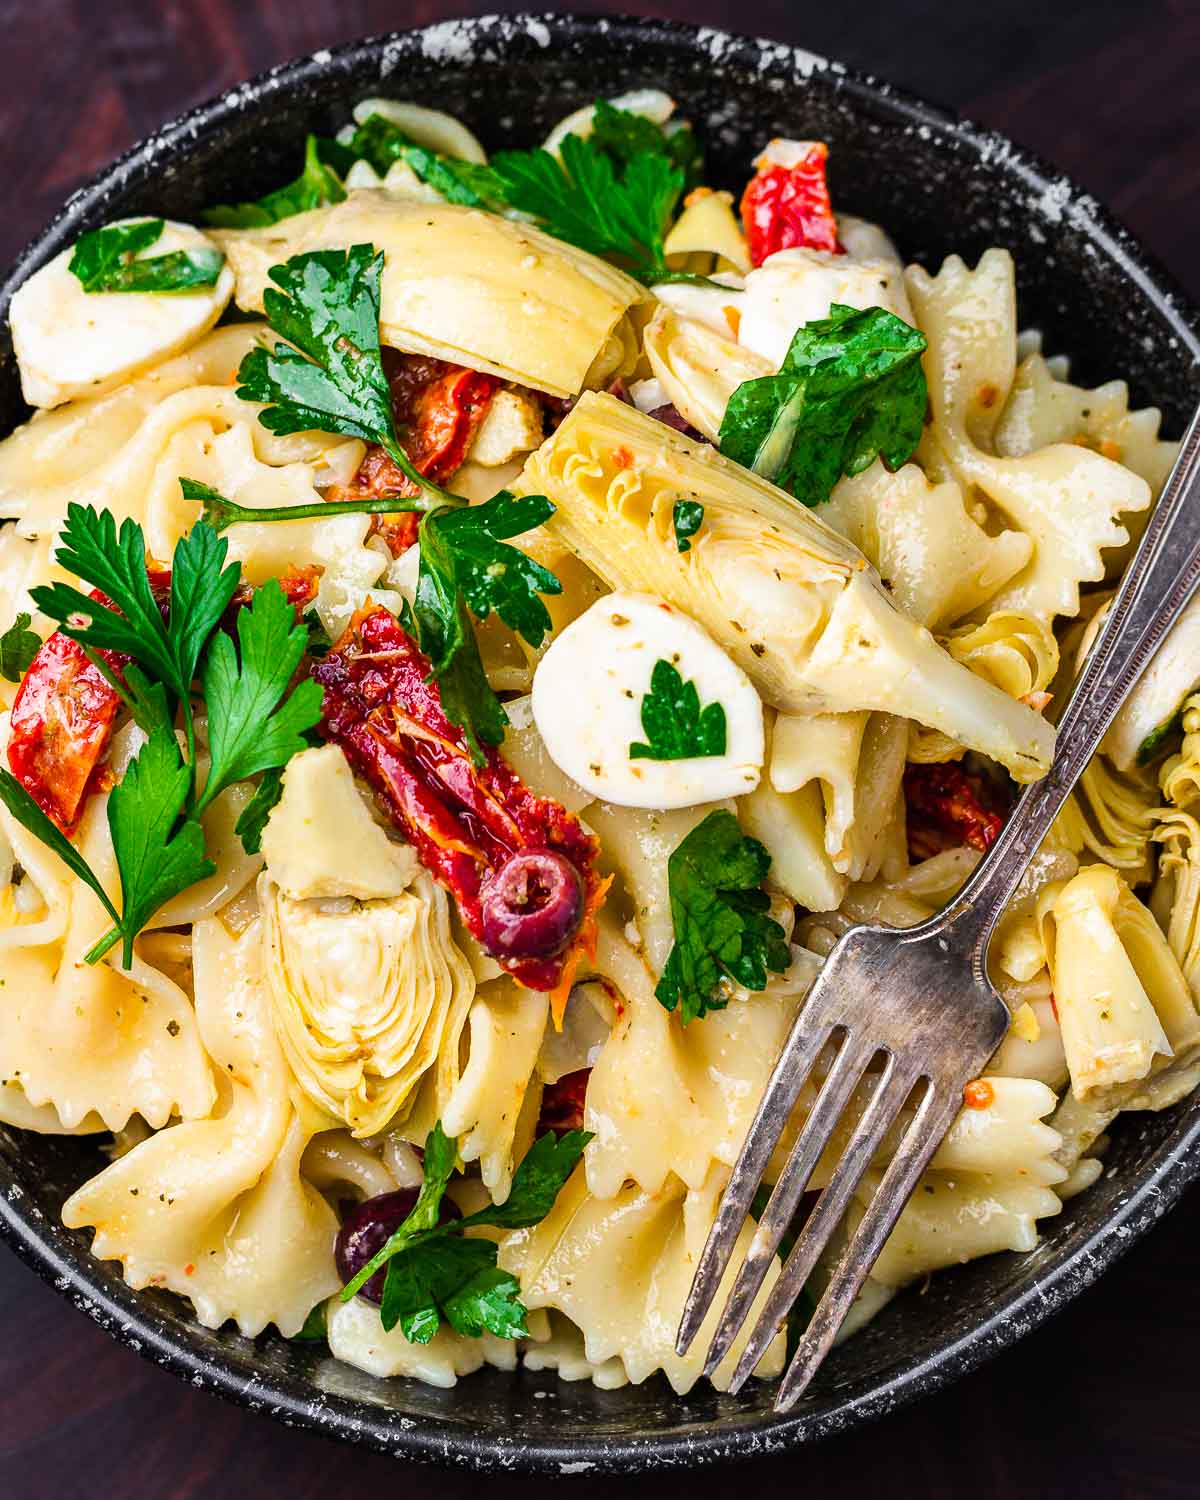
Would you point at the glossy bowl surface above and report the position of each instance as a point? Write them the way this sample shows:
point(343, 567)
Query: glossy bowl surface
point(940, 185)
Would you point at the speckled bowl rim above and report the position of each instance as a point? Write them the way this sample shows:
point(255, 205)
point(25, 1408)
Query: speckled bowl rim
point(58, 1257)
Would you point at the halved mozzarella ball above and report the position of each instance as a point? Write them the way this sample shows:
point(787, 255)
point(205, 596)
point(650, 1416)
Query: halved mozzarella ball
point(71, 343)
point(587, 704)
point(794, 287)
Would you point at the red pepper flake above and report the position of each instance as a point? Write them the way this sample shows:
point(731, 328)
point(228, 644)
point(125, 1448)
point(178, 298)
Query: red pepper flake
point(438, 408)
point(189, 1269)
point(979, 1094)
point(464, 821)
point(785, 207)
point(945, 810)
point(1054, 1005)
point(563, 1103)
point(622, 458)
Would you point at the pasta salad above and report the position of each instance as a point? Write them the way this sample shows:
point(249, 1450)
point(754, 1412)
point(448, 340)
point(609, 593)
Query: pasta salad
point(476, 631)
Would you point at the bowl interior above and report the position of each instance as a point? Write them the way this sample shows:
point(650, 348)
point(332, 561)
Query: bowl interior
point(939, 187)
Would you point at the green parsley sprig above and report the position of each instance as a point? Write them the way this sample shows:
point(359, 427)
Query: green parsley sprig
point(851, 388)
point(677, 728)
point(723, 934)
point(330, 376)
point(435, 1273)
point(107, 260)
point(381, 143)
point(688, 517)
point(18, 646)
point(317, 185)
point(253, 723)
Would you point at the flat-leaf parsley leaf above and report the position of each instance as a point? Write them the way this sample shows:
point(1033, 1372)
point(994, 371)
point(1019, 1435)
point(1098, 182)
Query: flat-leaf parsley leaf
point(723, 934)
point(18, 646)
point(677, 728)
point(106, 260)
point(435, 1273)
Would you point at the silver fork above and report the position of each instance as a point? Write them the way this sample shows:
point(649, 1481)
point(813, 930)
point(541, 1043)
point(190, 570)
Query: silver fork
point(920, 1001)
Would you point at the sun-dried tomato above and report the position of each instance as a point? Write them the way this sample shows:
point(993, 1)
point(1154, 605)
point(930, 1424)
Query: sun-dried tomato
point(464, 821)
point(562, 1102)
point(438, 408)
point(788, 206)
point(946, 809)
point(299, 583)
point(62, 720)
point(63, 713)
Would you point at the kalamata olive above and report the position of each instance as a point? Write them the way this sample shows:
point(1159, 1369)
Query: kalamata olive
point(365, 1228)
point(669, 416)
point(532, 905)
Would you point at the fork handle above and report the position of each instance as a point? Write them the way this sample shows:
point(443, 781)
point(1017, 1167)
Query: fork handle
point(1158, 584)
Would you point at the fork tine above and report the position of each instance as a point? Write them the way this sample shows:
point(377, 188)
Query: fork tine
point(885, 1103)
point(847, 1068)
point(808, 1035)
point(920, 1141)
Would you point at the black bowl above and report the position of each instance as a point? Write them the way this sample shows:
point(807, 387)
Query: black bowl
point(940, 186)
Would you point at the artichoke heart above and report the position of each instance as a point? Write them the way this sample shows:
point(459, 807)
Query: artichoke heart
point(365, 996)
point(465, 286)
point(796, 606)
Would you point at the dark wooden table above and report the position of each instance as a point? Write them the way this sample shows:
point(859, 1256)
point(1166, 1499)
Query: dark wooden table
point(1100, 1403)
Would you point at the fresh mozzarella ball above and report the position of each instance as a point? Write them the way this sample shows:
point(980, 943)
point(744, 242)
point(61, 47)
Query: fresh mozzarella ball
point(587, 704)
point(70, 343)
point(794, 287)
point(718, 308)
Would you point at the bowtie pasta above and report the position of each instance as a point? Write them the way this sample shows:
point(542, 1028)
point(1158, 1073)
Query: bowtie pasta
point(476, 633)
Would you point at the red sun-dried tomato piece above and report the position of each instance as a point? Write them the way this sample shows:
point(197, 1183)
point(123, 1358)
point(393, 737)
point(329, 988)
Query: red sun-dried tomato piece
point(465, 821)
point(786, 204)
point(945, 809)
point(438, 408)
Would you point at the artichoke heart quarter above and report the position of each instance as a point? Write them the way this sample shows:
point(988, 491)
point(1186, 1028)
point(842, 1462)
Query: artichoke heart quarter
point(798, 608)
point(465, 286)
point(366, 996)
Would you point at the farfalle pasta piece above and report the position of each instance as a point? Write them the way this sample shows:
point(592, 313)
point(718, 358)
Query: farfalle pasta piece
point(666, 1099)
point(1042, 409)
point(620, 1268)
point(216, 1209)
point(857, 760)
point(492, 1110)
point(91, 1040)
point(954, 1217)
point(1002, 1132)
point(1121, 997)
point(938, 560)
point(1065, 498)
point(470, 287)
point(795, 605)
point(365, 995)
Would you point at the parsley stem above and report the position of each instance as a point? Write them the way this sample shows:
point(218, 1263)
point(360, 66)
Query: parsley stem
point(221, 513)
point(97, 951)
point(660, 275)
